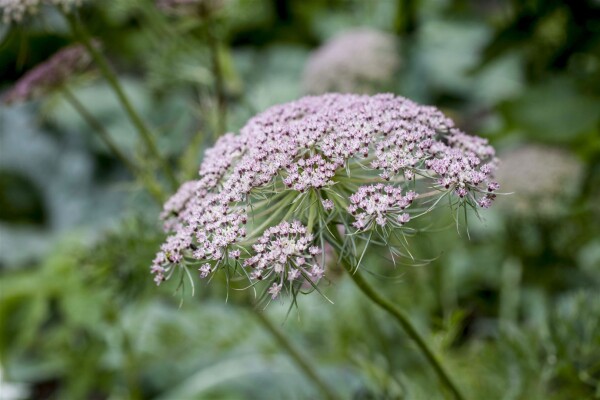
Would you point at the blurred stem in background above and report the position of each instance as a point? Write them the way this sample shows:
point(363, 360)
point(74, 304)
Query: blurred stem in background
point(188, 162)
point(335, 239)
point(447, 292)
point(509, 292)
point(130, 368)
point(217, 70)
point(405, 20)
point(81, 34)
point(301, 361)
point(151, 185)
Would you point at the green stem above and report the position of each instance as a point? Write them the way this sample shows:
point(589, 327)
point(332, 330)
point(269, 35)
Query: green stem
point(406, 21)
point(509, 292)
point(299, 358)
point(129, 368)
point(188, 161)
point(152, 187)
point(98, 128)
point(218, 77)
point(404, 320)
point(312, 211)
point(399, 315)
point(80, 32)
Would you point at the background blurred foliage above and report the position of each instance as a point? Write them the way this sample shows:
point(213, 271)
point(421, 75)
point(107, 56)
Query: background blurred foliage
point(512, 305)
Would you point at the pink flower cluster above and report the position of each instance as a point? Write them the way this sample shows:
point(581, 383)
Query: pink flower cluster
point(327, 147)
point(315, 172)
point(284, 253)
point(378, 203)
point(460, 167)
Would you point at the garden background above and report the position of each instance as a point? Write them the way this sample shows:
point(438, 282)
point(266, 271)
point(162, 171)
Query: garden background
point(510, 302)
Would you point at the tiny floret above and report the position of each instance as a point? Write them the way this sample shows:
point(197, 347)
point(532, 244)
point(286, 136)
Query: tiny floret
point(283, 253)
point(327, 205)
point(205, 270)
point(274, 290)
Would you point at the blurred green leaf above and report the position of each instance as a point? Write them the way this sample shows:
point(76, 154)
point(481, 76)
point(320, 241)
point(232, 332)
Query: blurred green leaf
point(554, 111)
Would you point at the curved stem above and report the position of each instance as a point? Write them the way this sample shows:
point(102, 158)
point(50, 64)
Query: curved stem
point(102, 63)
point(399, 315)
point(152, 187)
point(410, 329)
point(299, 359)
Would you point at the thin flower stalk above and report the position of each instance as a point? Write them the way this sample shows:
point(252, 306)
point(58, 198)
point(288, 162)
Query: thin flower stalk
point(152, 186)
point(301, 361)
point(205, 11)
point(144, 131)
point(219, 84)
point(53, 75)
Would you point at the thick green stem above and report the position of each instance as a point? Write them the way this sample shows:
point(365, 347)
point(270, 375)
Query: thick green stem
point(81, 33)
point(399, 315)
point(152, 187)
point(299, 359)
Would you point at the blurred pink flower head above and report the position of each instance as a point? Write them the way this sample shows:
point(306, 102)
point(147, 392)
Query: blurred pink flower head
point(361, 60)
point(51, 74)
point(540, 178)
